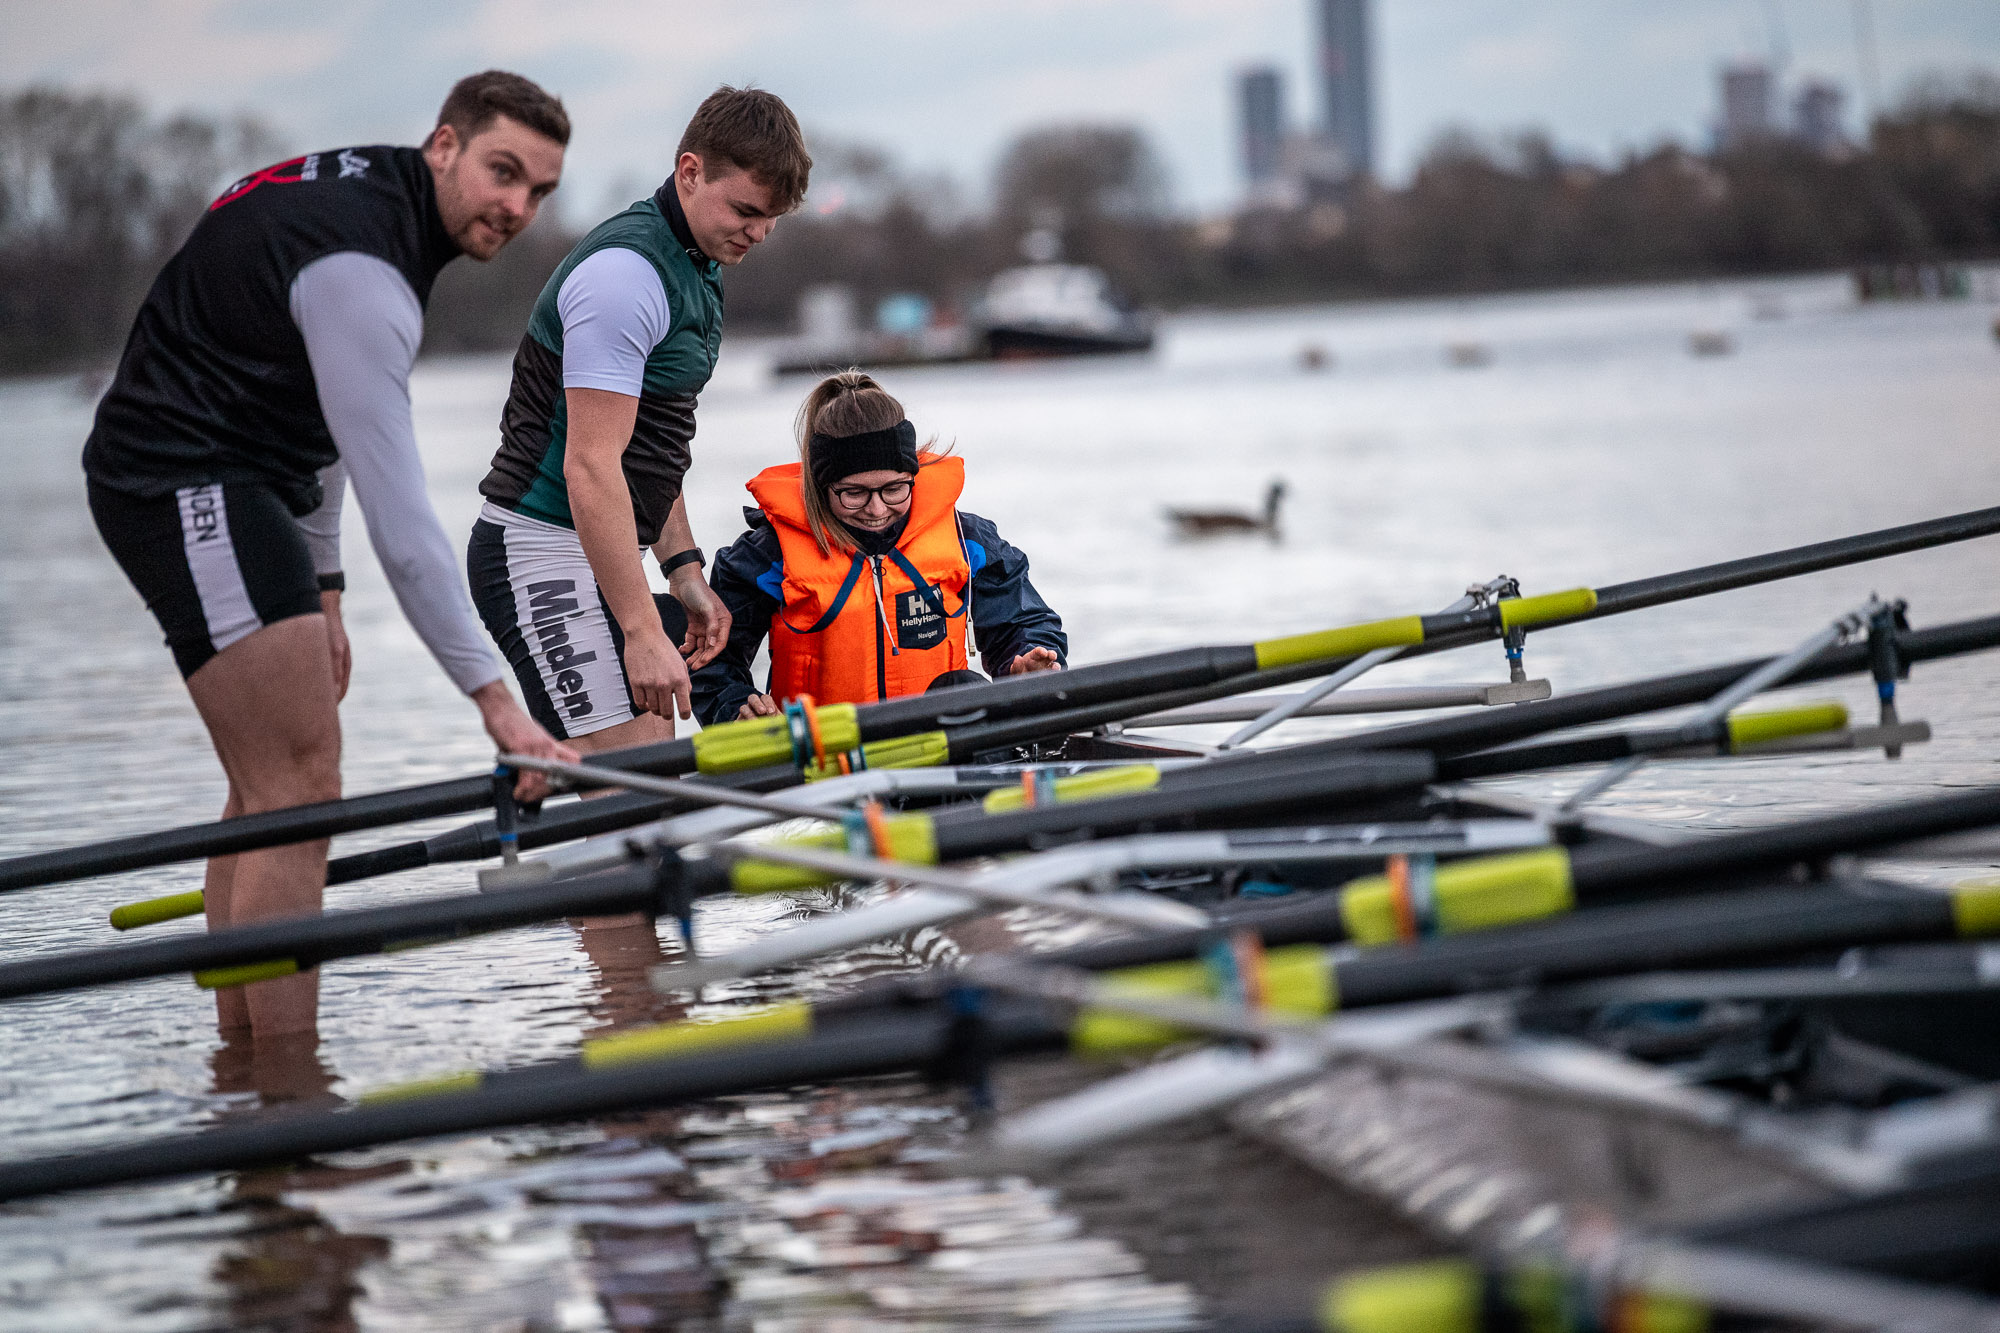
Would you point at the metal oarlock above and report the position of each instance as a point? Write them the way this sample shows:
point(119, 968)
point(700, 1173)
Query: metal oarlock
point(1476, 596)
point(506, 815)
point(1515, 641)
point(1886, 664)
point(671, 897)
point(968, 1061)
point(1773, 673)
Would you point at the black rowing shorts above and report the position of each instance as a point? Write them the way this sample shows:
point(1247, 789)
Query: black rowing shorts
point(215, 563)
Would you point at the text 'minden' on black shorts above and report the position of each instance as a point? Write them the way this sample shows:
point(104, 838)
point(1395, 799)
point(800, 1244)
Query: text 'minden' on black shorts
point(215, 563)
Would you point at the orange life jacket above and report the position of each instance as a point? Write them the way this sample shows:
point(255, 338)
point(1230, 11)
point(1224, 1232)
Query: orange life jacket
point(831, 639)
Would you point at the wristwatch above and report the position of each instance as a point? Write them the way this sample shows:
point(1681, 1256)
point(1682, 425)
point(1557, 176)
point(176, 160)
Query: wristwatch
point(691, 556)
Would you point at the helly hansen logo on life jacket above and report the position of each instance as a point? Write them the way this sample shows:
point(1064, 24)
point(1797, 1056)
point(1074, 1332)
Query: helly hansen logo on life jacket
point(551, 611)
point(918, 624)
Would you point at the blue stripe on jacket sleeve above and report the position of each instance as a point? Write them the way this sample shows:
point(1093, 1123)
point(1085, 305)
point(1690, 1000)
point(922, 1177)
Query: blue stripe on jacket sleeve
point(772, 582)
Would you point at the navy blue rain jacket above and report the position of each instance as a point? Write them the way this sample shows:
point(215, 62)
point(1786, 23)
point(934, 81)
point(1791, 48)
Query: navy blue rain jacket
point(1008, 615)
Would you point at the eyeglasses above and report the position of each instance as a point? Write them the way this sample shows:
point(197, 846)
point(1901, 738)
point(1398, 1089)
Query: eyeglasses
point(857, 497)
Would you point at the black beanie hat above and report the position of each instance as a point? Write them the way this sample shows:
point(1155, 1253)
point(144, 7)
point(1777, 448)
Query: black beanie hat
point(837, 456)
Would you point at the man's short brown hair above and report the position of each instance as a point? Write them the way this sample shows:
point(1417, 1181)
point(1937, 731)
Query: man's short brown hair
point(752, 131)
point(477, 100)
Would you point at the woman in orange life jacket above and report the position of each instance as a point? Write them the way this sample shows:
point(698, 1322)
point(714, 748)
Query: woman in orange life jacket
point(868, 578)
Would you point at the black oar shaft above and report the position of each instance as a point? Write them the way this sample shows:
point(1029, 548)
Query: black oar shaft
point(1799, 560)
point(480, 841)
point(313, 940)
point(1712, 930)
point(888, 1044)
point(1941, 1230)
point(1677, 932)
point(1497, 726)
point(246, 832)
point(297, 824)
point(1604, 874)
point(1187, 798)
point(370, 930)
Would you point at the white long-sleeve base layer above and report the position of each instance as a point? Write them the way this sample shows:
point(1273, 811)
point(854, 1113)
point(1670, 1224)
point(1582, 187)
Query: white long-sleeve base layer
point(362, 326)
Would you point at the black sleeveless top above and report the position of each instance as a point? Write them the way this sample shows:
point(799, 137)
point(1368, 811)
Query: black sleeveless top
point(214, 384)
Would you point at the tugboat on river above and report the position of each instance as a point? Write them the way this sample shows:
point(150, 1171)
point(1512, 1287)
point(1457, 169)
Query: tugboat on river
point(1057, 310)
point(1043, 309)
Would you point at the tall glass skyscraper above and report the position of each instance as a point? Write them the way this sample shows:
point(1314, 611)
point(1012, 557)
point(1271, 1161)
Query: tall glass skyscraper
point(1262, 92)
point(1345, 68)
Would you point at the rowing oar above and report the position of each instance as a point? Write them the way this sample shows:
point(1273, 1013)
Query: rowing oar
point(1629, 1283)
point(301, 823)
point(1716, 710)
point(473, 842)
point(1281, 710)
point(928, 1024)
point(962, 743)
point(1458, 735)
point(1946, 1226)
point(1234, 790)
point(242, 954)
point(1442, 736)
point(1313, 847)
point(804, 735)
point(614, 1073)
point(950, 837)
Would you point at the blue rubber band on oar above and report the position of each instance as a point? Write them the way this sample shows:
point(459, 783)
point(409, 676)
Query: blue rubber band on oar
point(506, 815)
point(1423, 894)
point(1218, 958)
point(860, 838)
point(1045, 786)
point(801, 736)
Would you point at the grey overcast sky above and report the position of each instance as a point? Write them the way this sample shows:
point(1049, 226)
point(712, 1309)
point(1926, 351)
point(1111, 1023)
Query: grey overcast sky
point(943, 84)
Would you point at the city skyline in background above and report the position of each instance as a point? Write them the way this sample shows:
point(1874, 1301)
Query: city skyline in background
point(945, 88)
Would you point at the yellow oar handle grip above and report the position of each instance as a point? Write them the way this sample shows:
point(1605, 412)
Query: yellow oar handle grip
point(1776, 724)
point(1454, 1296)
point(1079, 787)
point(221, 978)
point(912, 838)
point(155, 910)
point(1975, 907)
point(777, 1022)
point(1297, 982)
point(731, 747)
point(1445, 1296)
point(1522, 612)
point(441, 1086)
point(925, 749)
point(1480, 893)
point(1332, 644)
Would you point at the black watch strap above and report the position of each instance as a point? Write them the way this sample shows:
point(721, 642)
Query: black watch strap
point(334, 582)
point(691, 556)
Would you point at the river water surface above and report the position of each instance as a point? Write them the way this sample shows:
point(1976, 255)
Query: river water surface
point(1593, 447)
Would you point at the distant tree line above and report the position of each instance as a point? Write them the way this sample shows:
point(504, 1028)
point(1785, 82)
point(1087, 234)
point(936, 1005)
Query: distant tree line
point(95, 194)
point(1478, 215)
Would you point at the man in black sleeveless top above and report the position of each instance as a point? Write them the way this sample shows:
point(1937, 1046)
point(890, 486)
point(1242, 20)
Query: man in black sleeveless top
point(268, 367)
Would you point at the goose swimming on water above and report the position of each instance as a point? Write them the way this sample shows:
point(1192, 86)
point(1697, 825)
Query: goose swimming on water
point(1214, 522)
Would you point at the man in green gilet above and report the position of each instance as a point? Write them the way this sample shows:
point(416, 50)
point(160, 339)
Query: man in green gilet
point(594, 439)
